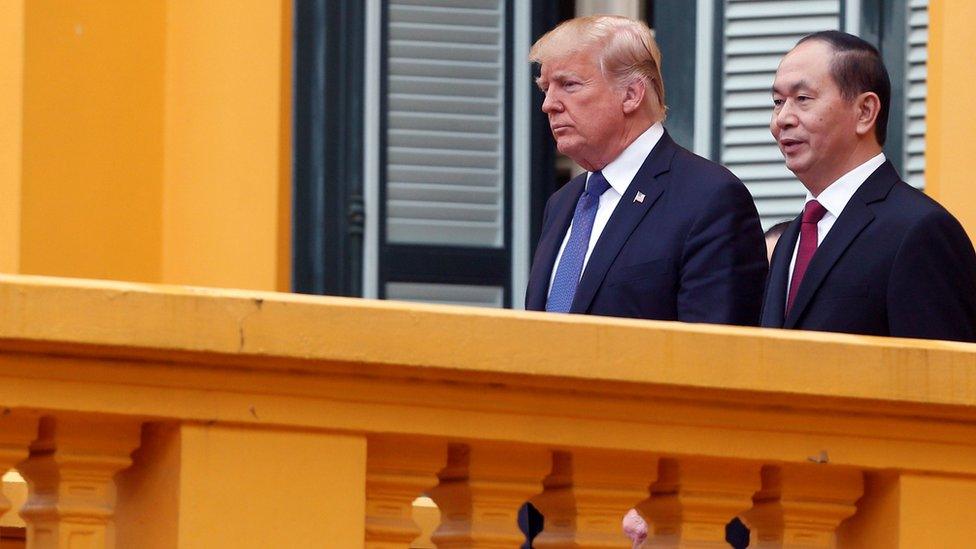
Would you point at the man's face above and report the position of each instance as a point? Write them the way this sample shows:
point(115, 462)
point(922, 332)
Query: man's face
point(813, 124)
point(586, 112)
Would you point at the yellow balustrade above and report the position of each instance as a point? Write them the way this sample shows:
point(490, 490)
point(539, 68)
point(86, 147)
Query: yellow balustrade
point(160, 417)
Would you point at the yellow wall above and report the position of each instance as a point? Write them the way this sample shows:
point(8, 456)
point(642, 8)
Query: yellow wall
point(949, 124)
point(147, 140)
point(92, 141)
point(11, 114)
point(223, 143)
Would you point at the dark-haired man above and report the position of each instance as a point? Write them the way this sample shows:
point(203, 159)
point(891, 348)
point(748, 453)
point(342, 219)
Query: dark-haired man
point(869, 254)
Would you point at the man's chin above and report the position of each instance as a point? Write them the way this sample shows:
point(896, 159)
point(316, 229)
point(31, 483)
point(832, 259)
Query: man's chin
point(795, 166)
point(567, 148)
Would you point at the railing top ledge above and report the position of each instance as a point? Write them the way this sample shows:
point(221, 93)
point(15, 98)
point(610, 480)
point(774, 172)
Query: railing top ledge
point(97, 317)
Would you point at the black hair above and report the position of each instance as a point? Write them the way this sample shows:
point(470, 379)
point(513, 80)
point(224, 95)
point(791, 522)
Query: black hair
point(776, 230)
point(857, 67)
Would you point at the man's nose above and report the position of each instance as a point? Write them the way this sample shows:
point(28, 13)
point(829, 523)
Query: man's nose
point(550, 103)
point(784, 117)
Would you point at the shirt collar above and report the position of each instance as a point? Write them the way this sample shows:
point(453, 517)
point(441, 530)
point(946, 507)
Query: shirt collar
point(624, 168)
point(836, 196)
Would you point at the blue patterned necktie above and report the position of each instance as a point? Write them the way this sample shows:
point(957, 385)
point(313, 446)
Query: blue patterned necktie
point(571, 263)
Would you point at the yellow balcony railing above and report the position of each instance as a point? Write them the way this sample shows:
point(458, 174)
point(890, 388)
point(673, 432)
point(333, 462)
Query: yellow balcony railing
point(159, 417)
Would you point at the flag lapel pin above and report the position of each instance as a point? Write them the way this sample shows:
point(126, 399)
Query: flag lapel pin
point(639, 198)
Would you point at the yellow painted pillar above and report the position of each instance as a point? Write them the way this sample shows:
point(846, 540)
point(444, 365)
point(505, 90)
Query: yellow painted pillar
point(693, 500)
point(801, 505)
point(399, 469)
point(481, 490)
point(228, 149)
point(147, 140)
point(937, 511)
point(92, 141)
point(11, 120)
point(587, 495)
point(951, 128)
point(71, 493)
point(16, 434)
point(198, 486)
point(913, 510)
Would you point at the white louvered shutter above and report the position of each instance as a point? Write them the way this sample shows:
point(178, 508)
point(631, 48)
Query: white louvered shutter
point(916, 89)
point(756, 36)
point(448, 294)
point(445, 132)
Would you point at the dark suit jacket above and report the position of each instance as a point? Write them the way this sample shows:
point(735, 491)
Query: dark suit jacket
point(693, 250)
point(895, 263)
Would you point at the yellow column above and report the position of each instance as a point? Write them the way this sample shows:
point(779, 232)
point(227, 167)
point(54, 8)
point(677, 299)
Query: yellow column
point(11, 126)
point(693, 500)
point(902, 511)
point(69, 472)
point(16, 434)
point(801, 505)
point(198, 486)
point(480, 492)
point(587, 495)
point(227, 141)
point(950, 128)
point(92, 138)
point(398, 470)
point(937, 511)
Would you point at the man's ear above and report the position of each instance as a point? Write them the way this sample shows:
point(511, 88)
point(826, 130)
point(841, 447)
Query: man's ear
point(867, 106)
point(634, 95)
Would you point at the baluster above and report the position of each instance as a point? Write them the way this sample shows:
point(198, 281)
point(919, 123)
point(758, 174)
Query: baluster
point(398, 469)
point(587, 495)
point(801, 505)
point(481, 490)
point(16, 434)
point(694, 499)
point(71, 494)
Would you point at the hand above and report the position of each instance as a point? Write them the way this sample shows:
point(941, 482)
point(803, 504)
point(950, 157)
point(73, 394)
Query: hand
point(635, 527)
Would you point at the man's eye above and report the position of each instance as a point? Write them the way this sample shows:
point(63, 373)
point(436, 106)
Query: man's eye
point(802, 99)
point(571, 84)
point(777, 102)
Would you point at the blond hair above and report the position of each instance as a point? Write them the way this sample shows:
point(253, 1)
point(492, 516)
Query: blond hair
point(627, 51)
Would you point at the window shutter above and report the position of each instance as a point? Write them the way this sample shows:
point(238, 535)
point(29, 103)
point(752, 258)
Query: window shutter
point(916, 89)
point(445, 132)
point(445, 163)
point(450, 294)
point(756, 36)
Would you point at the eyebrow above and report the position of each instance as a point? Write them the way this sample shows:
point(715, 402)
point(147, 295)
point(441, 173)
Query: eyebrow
point(800, 84)
point(559, 76)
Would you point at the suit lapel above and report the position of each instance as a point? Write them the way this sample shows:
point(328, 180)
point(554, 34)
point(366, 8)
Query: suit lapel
point(855, 217)
point(623, 221)
point(775, 303)
point(549, 243)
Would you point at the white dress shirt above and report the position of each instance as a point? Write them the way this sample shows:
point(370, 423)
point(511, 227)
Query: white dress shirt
point(619, 174)
point(834, 199)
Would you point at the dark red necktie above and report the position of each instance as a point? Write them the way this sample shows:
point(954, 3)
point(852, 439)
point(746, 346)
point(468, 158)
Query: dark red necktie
point(813, 212)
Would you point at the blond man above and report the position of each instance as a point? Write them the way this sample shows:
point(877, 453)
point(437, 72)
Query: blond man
point(650, 230)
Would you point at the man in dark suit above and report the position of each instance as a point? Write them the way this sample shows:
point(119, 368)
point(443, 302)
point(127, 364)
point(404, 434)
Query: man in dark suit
point(869, 254)
point(650, 230)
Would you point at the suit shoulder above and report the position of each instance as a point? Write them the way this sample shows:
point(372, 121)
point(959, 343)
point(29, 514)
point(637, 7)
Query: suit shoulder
point(700, 172)
point(911, 205)
point(916, 220)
